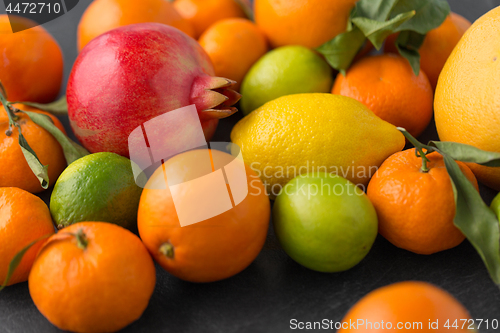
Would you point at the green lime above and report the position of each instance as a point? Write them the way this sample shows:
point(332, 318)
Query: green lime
point(324, 222)
point(97, 187)
point(285, 71)
point(495, 205)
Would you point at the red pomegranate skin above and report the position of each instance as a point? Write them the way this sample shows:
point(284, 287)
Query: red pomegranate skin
point(132, 74)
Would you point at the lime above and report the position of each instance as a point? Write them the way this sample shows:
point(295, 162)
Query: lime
point(97, 187)
point(324, 222)
point(284, 71)
point(495, 205)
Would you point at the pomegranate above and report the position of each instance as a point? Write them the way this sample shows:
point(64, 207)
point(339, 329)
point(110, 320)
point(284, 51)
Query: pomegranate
point(132, 74)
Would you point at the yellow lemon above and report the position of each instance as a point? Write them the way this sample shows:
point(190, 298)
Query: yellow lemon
point(467, 103)
point(303, 133)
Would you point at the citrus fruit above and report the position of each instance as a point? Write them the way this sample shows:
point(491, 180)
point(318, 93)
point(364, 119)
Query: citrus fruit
point(466, 103)
point(233, 45)
point(216, 248)
point(324, 222)
point(437, 45)
point(92, 277)
point(303, 133)
point(14, 170)
point(104, 15)
point(387, 85)
point(416, 208)
point(96, 187)
point(406, 306)
point(495, 205)
point(203, 13)
point(285, 71)
point(24, 218)
point(31, 65)
point(302, 22)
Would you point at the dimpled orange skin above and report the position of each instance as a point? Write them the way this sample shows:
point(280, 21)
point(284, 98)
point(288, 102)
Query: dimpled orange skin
point(309, 23)
point(233, 45)
point(31, 65)
point(203, 13)
point(416, 209)
point(24, 218)
point(387, 85)
point(102, 288)
point(407, 302)
point(437, 46)
point(14, 170)
point(104, 15)
point(211, 250)
point(467, 103)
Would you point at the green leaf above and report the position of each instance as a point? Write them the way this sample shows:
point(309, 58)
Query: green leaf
point(476, 221)
point(72, 150)
point(59, 107)
point(377, 10)
point(340, 51)
point(430, 14)
point(246, 8)
point(467, 153)
point(408, 43)
point(17, 260)
point(377, 31)
point(412, 56)
point(39, 170)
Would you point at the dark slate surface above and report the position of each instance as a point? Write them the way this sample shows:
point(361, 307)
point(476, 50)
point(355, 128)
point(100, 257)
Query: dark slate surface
point(274, 289)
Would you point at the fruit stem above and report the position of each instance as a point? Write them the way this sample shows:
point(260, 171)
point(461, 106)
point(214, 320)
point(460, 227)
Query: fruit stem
point(167, 249)
point(419, 149)
point(10, 112)
point(81, 239)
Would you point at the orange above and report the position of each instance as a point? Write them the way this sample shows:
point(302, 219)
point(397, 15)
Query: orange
point(233, 45)
point(24, 218)
point(211, 250)
point(31, 65)
point(387, 85)
point(14, 170)
point(104, 15)
point(92, 277)
point(409, 306)
point(437, 46)
point(203, 13)
point(308, 23)
point(467, 104)
point(415, 208)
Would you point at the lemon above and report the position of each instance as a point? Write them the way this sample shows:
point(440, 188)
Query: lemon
point(467, 104)
point(303, 133)
point(285, 71)
point(96, 187)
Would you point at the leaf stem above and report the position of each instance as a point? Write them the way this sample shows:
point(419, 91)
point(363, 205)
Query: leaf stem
point(10, 113)
point(419, 149)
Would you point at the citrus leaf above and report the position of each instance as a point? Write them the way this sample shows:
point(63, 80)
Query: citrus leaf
point(377, 10)
point(377, 31)
point(340, 51)
point(59, 107)
point(430, 14)
point(476, 221)
point(17, 260)
point(247, 9)
point(412, 56)
point(467, 153)
point(39, 170)
point(72, 150)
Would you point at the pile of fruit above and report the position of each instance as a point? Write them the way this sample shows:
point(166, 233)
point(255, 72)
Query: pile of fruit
point(331, 91)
